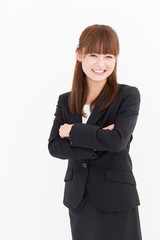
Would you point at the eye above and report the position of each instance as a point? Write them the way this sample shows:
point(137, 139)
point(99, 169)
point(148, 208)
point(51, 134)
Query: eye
point(92, 55)
point(109, 56)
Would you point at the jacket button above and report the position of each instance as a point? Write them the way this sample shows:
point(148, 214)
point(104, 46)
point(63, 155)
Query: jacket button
point(84, 165)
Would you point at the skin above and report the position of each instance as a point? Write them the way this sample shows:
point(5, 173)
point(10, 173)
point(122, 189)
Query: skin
point(95, 82)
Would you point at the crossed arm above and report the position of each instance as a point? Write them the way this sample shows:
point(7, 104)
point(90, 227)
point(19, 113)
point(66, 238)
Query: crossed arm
point(64, 143)
point(65, 129)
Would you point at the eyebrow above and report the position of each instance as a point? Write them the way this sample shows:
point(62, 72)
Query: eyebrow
point(102, 53)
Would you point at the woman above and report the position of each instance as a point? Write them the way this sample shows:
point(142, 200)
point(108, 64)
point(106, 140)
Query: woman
point(93, 129)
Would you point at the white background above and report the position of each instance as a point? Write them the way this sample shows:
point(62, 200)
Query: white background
point(37, 58)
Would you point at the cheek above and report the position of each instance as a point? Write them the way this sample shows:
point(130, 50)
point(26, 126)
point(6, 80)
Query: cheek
point(85, 65)
point(111, 65)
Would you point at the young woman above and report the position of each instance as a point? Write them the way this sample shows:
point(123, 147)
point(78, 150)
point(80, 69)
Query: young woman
point(93, 128)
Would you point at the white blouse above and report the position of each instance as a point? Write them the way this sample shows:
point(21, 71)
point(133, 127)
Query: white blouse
point(87, 111)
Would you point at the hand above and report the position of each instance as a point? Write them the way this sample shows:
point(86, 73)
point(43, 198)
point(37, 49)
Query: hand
point(64, 130)
point(110, 127)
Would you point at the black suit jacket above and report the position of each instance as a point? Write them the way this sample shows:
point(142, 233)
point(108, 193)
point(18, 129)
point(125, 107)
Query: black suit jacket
point(98, 159)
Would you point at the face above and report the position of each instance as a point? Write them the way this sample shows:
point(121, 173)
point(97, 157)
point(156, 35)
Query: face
point(97, 67)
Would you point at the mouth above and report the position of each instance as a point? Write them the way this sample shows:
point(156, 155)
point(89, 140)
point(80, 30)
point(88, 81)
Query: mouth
point(98, 72)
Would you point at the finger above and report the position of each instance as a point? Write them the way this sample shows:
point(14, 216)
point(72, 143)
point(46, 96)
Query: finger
point(111, 125)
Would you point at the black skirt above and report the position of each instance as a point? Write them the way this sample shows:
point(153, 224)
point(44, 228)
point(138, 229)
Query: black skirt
point(89, 223)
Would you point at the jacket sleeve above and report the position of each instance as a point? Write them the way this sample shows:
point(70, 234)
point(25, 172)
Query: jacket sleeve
point(60, 147)
point(95, 138)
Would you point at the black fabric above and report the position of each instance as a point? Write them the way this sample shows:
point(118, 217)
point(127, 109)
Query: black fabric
point(89, 223)
point(100, 165)
point(99, 159)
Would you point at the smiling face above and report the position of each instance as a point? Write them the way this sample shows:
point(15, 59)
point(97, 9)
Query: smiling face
point(97, 67)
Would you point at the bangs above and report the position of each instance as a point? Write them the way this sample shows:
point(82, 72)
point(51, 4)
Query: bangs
point(100, 41)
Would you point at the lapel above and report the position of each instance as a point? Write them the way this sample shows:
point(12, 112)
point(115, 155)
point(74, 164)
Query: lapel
point(93, 117)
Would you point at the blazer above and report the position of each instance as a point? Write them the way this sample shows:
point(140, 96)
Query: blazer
point(98, 159)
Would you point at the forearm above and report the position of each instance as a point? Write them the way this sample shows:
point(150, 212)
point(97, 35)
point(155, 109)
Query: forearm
point(97, 139)
point(61, 148)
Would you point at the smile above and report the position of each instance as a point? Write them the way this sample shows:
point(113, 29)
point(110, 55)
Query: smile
point(99, 72)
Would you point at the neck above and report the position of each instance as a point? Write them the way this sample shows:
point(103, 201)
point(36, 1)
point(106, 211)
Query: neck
point(94, 88)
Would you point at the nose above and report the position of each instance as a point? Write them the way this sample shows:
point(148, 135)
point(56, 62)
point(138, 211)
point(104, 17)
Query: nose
point(100, 62)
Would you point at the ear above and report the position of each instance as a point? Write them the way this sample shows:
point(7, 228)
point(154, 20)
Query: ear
point(78, 56)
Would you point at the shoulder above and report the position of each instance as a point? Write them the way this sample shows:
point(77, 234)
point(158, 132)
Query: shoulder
point(124, 91)
point(63, 98)
point(65, 95)
point(128, 91)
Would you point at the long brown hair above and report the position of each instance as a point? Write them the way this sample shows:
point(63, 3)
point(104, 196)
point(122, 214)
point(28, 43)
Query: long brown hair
point(98, 39)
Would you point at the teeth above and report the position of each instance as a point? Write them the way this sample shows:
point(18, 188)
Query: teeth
point(98, 71)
